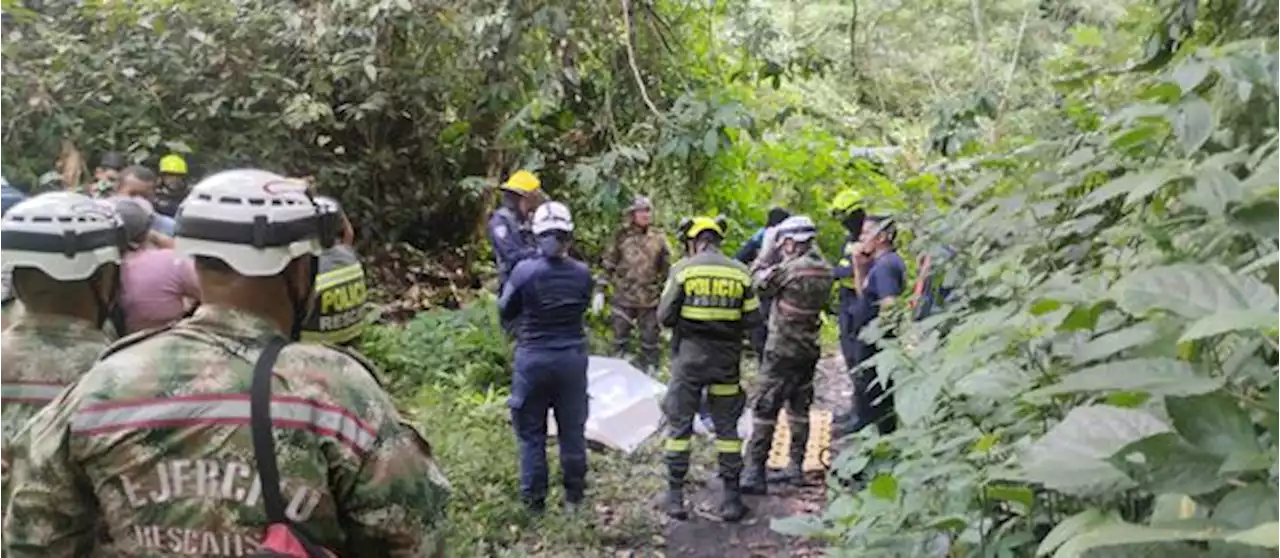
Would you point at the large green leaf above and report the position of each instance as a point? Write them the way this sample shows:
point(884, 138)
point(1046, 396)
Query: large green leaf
point(1167, 463)
point(1072, 456)
point(1192, 121)
point(1214, 422)
point(1159, 376)
point(1228, 321)
point(1191, 291)
point(1215, 189)
point(1266, 535)
point(1119, 534)
point(1115, 342)
point(1247, 506)
point(1070, 527)
point(1135, 181)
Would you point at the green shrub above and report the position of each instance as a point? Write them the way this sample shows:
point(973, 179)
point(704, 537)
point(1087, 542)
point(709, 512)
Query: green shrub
point(464, 349)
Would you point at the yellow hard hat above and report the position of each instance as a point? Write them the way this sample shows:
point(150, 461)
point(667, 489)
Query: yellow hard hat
point(522, 182)
point(173, 164)
point(699, 225)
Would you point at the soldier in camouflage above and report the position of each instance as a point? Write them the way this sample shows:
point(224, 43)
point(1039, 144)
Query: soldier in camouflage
point(799, 287)
point(152, 447)
point(636, 264)
point(63, 250)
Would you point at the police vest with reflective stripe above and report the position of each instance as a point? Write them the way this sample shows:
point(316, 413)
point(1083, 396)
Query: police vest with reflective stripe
point(338, 311)
point(715, 293)
point(846, 260)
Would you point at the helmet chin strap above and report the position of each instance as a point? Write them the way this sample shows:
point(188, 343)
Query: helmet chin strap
point(299, 306)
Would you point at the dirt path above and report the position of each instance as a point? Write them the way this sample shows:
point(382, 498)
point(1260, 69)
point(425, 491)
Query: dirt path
point(705, 536)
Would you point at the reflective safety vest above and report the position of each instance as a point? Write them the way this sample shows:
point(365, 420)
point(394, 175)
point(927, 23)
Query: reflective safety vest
point(338, 310)
point(846, 260)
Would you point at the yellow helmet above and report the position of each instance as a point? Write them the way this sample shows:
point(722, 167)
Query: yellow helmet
point(698, 225)
point(173, 164)
point(522, 182)
point(845, 201)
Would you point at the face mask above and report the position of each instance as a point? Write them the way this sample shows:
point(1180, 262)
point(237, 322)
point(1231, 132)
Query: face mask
point(551, 245)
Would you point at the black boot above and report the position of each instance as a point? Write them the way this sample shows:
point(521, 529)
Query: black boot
point(753, 480)
point(792, 474)
point(732, 509)
point(674, 504)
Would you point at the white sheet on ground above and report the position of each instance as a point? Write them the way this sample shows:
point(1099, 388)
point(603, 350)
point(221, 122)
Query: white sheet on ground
point(625, 404)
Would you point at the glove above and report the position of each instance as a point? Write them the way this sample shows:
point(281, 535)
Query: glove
point(597, 302)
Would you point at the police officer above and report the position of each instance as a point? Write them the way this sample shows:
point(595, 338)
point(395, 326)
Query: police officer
point(710, 304)
point(851, 219)
point(338, 309)
point(64, 252)
point(152, 447)
point(636, 264)
point(508, 226)
point(549, 295)
point(799, 287)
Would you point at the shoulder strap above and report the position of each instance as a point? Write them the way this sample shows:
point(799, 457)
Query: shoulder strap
point(264, 447)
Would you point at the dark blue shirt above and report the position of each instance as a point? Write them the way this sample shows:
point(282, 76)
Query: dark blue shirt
point(549, 297)
point(511, 243)
point(748, 252)
point(10, 196)
point(886, 278)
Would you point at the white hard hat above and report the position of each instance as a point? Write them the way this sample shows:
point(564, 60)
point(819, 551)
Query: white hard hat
point(66, 235)
point(552, 216)
point(799, 228)
point(254, 220)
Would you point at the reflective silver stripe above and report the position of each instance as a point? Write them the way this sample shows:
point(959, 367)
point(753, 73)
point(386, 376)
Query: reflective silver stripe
point(30, 391)
point(324, 421)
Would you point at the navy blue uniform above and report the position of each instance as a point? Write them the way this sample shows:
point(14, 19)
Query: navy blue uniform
point(885, 279)
point(848, 296)
point(512, 243)
point(548, 298)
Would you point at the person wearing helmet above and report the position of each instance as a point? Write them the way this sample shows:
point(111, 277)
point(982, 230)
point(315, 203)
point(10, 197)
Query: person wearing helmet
point(798, 287)
point(880, 275)
point(157, 286)
point(106, 173)
point(63, 251)
point(173, 184)
point(710, 305)
point(202, 432)
point(508, 225)
point(751, 249)
point(338, 309)
point(636, 264)
point(847, 293)
point(547, 296)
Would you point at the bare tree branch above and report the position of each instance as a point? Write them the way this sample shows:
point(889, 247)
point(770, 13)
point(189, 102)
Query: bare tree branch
point(1008, 78)
point(631, 59)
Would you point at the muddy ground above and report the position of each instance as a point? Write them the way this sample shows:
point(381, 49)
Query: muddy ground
point(705, 536)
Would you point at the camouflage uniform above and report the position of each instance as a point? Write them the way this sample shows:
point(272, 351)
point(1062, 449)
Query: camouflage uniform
point(637, 263)
point(799, 288)
point(39, 356)
point(710, 304)
point(154, 445)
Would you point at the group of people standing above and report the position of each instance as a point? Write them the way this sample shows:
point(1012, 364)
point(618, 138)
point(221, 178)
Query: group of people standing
point(221, 433)
point(773, 293)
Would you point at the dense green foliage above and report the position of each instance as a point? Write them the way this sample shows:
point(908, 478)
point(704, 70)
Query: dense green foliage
point(1104, 382)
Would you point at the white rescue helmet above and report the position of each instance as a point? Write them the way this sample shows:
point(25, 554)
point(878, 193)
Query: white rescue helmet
point(799, 228)
point(552, 216)
point(253, 220)
point(66, 235)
